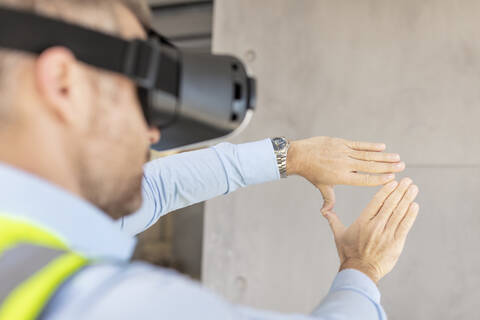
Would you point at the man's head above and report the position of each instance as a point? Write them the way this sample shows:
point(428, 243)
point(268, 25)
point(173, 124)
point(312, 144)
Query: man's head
point(75, 125)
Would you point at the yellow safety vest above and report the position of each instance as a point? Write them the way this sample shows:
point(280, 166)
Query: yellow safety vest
point(34, 263)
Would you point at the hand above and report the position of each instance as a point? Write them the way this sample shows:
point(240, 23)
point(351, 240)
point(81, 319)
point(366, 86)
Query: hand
point(326, 162)
point(374, 242)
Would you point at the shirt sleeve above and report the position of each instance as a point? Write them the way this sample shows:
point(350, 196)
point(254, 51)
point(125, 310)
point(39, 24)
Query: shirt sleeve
point(184, 179)
point(353, 295)
point(106, 291)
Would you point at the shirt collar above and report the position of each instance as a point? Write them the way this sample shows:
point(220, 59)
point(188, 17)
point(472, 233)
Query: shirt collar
point(83, 227)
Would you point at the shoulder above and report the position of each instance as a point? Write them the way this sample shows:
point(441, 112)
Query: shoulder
point(129, 291)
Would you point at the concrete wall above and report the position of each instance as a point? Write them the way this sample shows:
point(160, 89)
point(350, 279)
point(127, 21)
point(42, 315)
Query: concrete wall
point(402, 72)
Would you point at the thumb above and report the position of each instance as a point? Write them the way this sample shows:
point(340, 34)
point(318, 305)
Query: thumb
point(328, 195)
point(335, 224)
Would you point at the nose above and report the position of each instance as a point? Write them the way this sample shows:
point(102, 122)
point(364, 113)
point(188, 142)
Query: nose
point(153, 135)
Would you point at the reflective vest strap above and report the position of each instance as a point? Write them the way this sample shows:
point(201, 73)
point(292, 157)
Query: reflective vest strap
point(27, 300)
point(14, 230)
point(19, 263)
point(34, 263)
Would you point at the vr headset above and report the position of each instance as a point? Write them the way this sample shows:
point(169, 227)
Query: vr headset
point(190, 97)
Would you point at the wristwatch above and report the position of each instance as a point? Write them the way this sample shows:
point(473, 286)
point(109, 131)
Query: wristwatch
point(280, 146)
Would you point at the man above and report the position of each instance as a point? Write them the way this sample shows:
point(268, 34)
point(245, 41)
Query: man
point(74, 142)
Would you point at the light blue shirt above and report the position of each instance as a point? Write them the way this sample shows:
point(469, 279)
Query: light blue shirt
point(117, 289)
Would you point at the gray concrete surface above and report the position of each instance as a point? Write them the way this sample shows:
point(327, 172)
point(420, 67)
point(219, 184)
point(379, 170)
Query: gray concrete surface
point(187, 239)
point(402, 72)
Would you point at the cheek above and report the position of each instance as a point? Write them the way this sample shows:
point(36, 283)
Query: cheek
point(120, 127)
point(124, 108)
point(131, 123)
point(134, 114)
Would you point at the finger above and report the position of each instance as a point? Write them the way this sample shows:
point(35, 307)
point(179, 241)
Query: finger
point(367, 146)
point(335, 224)
point(402, 208)
point(407, 222)
point(375, 156)
point(328, 195)
point(376, 203)
point(392, 201)
point(360, 179)
point(377, 167)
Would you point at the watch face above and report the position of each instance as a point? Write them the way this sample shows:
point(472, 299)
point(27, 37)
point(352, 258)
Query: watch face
point(279, 143)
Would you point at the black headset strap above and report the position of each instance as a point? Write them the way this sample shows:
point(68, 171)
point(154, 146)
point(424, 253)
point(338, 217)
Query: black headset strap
point(152, 64)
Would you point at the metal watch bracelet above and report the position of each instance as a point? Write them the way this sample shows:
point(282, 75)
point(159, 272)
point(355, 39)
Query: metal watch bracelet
point(280, 147)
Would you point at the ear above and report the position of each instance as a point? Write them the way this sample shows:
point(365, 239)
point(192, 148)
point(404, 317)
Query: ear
point(55, 76)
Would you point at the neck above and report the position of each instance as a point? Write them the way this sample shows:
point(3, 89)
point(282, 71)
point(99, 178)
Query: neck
point(38, 153)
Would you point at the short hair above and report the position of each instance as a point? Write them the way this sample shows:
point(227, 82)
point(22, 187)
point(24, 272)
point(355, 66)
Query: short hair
point(140, 9)
point(97, 14)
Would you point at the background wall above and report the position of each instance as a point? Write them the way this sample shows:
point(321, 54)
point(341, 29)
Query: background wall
point(401, 72)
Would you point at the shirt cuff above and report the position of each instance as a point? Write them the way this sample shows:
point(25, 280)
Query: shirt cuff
point(258, 162)
point(350, 279)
